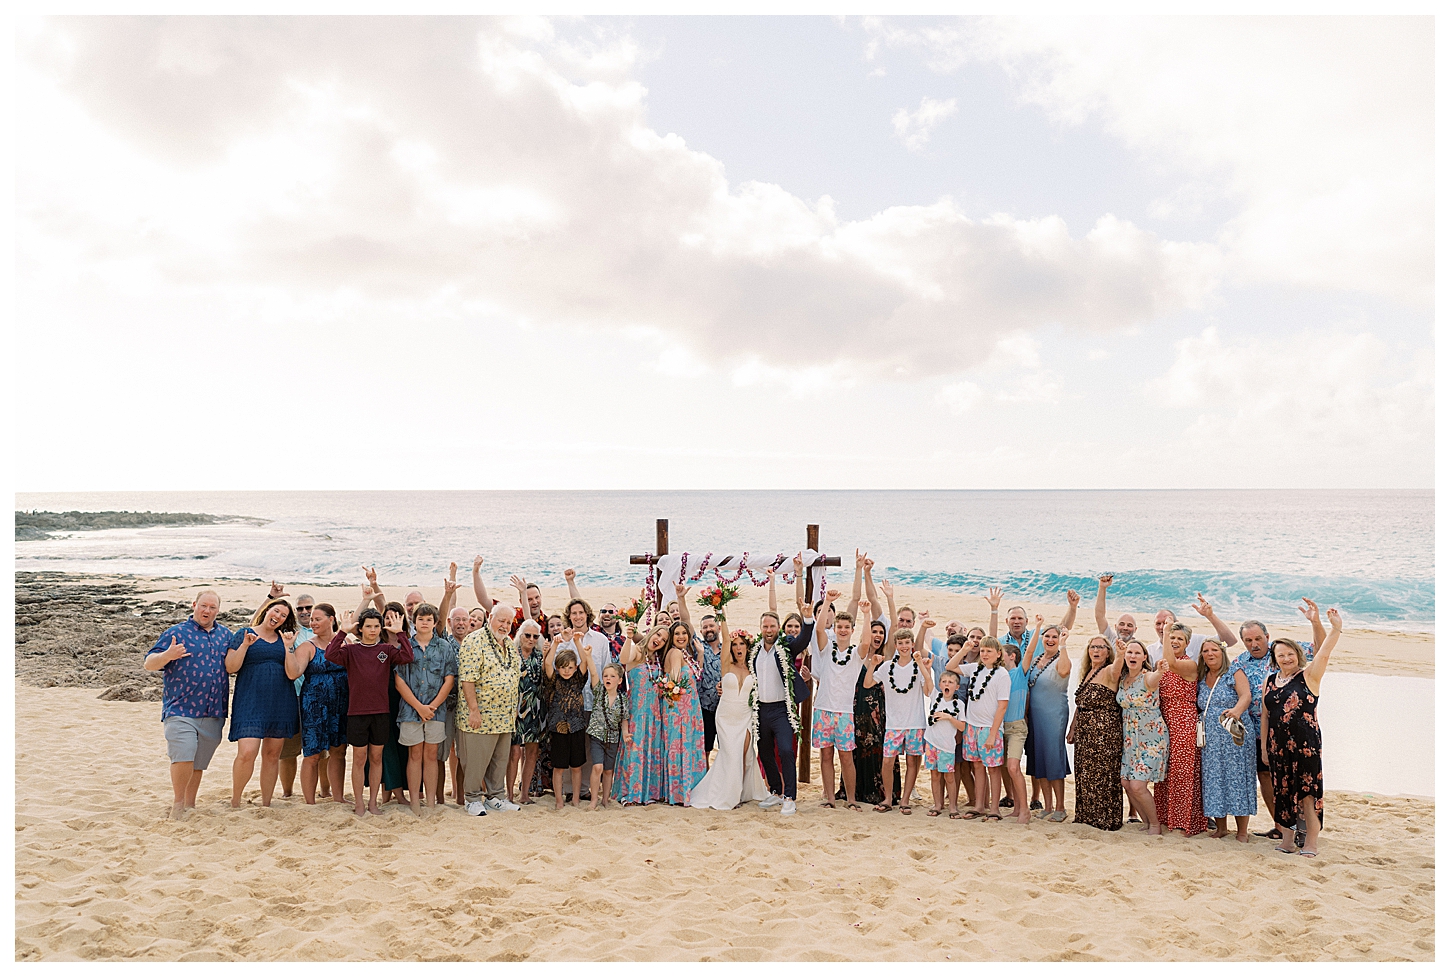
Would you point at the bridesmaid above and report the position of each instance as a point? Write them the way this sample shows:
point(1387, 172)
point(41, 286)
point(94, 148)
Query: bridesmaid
point(1230, 784)
point(1293, 746)
point(684, 729)
point(640, 776)
point(264, 702)
point(1097, 737)
point(1179, 798)
point(1145, 737)
point(1047, 723)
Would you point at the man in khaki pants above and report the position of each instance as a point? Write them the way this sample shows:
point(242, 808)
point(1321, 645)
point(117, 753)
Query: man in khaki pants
point(488, 705)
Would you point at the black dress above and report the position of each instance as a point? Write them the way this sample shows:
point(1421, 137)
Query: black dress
point(870, 720)
point(1295, 763)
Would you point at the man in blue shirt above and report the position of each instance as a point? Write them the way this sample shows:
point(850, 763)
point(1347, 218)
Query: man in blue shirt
point(191, 657)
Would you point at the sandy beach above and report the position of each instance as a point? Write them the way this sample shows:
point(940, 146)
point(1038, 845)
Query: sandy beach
point(102, 874)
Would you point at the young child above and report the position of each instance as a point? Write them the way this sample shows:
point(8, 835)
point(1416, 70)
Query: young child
point(988, 688)
point(903, 677)
point(1014, 726)
point(608, 724)
point(425, 684)
point(566, 716)
point(945, 717)
point(369, 663)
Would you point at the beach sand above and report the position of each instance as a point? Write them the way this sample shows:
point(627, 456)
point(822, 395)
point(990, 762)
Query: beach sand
point(101, 873)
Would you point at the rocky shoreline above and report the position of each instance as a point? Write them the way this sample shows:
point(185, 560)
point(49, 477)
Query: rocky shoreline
point(36, 525)
point(70, 632)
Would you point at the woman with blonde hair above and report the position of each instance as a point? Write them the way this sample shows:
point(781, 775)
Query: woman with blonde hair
point(1179, 797)
point(1230, 784)
point(1096, 734)
point(1292, 746)
point(1145, 737)
point(640, 778)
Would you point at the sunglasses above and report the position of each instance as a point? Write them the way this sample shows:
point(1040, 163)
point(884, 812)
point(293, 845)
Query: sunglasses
point(607, 610)
point(305, 610)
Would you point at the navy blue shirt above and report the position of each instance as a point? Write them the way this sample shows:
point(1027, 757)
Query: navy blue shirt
point(196, 686)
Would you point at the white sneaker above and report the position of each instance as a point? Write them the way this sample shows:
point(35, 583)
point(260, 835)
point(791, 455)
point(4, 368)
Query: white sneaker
point(787, 808)
point(476, 809)
point(499, 804)
point(772, 801)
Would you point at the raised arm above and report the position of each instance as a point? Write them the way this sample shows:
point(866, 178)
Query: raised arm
point(863, 643)
point(994, 598)
point(160, 657)
point(573, 589)
point(1185, 668)
point(1311, 611)
point(1317, 667)
point(1100, 604)
point(866, 564)
point(890, 591)
point(378, 600)
point(290, 667)
point(856, 584)
point(238, 655)
point(445, 606)
point(1115, 669)
point(1224, 632)
point(368, 595)
point(1034, 645)
point(549, 654)
point(522, 586)
point(1070, 618)
point(872, 663)
point(588, 658)
point(923, 628)
point(480, 592)
point(770, 591)
point(923, 661)
point(681, 592)
point(800, 585)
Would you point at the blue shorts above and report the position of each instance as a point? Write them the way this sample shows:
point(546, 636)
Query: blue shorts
point(975, 748)
point(191, 740)
point(912, 742)
point(837, 729)
point(939, 761)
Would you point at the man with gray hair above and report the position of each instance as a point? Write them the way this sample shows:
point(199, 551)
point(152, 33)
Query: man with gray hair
point(488, 705)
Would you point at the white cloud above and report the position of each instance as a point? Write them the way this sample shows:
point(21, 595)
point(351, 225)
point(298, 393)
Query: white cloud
point(1310, 404)
point(450, 165)
point(960, 397)
point(1319, 132)
point(913, 129)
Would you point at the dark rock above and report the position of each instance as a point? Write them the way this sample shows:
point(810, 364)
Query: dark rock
point(132, 692)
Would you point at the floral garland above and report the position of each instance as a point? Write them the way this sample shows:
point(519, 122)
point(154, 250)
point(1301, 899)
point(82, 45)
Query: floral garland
point(891, 676)
point(935, 706)
point(841, 661)
point(973, 693)
point(792, 712)
point(738, 571)
point(1040, 666)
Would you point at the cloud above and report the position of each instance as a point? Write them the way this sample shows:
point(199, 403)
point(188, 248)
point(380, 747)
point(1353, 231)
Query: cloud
point(913, 129)
point(438, 166)
point(1318, 133)
point(1315, 401)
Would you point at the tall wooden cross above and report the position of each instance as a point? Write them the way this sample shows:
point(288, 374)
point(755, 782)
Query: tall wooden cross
point(813, 542)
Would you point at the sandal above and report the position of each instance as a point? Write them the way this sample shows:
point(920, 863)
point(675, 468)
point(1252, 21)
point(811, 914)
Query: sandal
point(958, 816)
point(853, 806)
point(1273, 833)
point(884, 808)
point(906, 809)
point(828, 804)
point(933, 812)
point(991, 817)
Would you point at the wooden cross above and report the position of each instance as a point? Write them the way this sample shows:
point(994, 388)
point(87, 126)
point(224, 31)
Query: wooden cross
point(813, 542)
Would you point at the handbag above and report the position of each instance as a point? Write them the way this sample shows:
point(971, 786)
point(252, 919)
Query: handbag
point(1202, 737)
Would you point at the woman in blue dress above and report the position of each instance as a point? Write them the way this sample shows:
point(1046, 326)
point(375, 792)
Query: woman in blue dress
point(264, 701)
point(1230, 780)
point(684, 730)
point(640, 774)
point(1145, 735)
point(324, 707)
point(1047, 721)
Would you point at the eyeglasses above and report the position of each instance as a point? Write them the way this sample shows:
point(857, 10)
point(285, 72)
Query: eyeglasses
point(305, 610)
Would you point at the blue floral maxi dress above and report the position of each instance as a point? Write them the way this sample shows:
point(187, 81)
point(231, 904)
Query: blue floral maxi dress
point(684, 738)
point(1145, 735)
point(264, 701)
point(324, 706)
point(1230, 781)
point(1295, 764)
point(640, 774)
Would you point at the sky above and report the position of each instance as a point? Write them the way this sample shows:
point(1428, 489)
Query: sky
point(786, 252)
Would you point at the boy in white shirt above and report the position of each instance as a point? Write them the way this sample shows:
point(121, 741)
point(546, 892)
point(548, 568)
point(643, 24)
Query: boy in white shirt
point(988, 691)
point(837, 665)
point(945, 717)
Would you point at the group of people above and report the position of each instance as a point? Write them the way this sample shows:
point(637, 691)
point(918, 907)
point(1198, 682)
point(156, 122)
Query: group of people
point(513, 703)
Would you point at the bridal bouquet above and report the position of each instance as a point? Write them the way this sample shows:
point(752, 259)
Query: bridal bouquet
point(718, 596)
point(633, 612)
point(669, 689)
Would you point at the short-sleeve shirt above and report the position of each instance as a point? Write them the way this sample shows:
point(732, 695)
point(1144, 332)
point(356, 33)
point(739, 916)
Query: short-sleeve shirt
point(906, 708)
point(605, 721)
point(942, 734)
point(566, 702)
point(369, 671)
point(1256, 670)
point(982, 711)
point(424, 675)
point(493, 668)
point(1022, 642)
point(196, 686)
point(709, 676)
point(1017, 704)
point(836, 683)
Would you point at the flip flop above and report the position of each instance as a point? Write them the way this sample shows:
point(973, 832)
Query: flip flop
point(957, 816)
point(1284, 851)
point(828, 804)
point(933, 812)
point(969, 815)
point(1273, 833)
point(883, 808)
point(906, 809)
point(853, 806)
point(991, 817)
point(1058, 816)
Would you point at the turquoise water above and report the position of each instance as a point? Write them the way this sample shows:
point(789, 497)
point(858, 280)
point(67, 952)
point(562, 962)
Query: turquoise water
point(1254, 553)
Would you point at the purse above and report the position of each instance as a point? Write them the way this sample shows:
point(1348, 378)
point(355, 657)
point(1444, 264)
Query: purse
point(1202, 737)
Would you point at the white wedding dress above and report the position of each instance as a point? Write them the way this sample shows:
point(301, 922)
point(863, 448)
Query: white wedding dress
point(734, 777)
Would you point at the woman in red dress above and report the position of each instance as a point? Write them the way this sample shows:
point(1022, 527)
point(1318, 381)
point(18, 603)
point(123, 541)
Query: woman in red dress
point(1179, 799)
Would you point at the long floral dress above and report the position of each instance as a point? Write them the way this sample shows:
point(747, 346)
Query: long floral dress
point(684, 737)
point(1230, 778)
point(1295, 762)
point(640, 774)
point(870, 718)
point(1179, 798)
point(1145, 737)
point(1098, 750)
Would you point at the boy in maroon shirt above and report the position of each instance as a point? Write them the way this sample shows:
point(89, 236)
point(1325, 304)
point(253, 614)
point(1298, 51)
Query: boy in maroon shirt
point(369, 667)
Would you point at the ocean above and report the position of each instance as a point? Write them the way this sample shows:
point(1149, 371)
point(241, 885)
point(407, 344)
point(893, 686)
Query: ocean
point(1253, 553)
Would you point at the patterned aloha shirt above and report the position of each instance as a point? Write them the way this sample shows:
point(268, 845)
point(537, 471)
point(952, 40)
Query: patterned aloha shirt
point(493, 667)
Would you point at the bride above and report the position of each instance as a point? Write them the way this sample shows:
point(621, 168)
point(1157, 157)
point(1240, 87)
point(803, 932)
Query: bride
point(734, 777)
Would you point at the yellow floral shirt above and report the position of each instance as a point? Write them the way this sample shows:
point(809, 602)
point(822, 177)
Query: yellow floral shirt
point(493, 667)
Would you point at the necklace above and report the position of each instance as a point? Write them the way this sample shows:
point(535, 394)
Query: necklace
point(973, 693)
point(935, 705)
point(1039, 668)
point(841, 661)
point(891, 676)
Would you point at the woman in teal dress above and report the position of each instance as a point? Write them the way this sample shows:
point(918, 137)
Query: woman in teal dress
point(640, 773)
point(1145, 737)
point(684, 729)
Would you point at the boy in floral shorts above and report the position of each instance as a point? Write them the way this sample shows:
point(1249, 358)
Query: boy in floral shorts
point(988, 690)
point(837, 664)
point(904, 678)
point(945, 717)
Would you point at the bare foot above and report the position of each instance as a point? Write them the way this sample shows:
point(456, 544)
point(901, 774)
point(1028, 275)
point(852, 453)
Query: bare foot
point(373, 807)
point(178, 810)
point(1157, 829)
point(417, 808)
point(1242, 836)
point(1219, 833)
point(1024, 818)
point(236, 803)
point(359, 810)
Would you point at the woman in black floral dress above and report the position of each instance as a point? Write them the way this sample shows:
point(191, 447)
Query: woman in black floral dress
point(870, 719)
point(1097, 737)
point(1292, 746)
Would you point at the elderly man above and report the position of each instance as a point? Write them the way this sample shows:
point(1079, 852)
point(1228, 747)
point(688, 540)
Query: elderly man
point(1127, 628)
point(488, 704)
point(191, 657)
point(1017, 634)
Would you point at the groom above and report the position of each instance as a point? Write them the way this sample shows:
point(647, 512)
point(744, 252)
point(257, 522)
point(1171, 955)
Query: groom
point(773, 705)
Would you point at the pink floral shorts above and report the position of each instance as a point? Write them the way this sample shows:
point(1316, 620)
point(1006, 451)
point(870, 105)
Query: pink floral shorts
point(836, 729)
point(974, 746)
point(912, 742)
point(939, 761)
